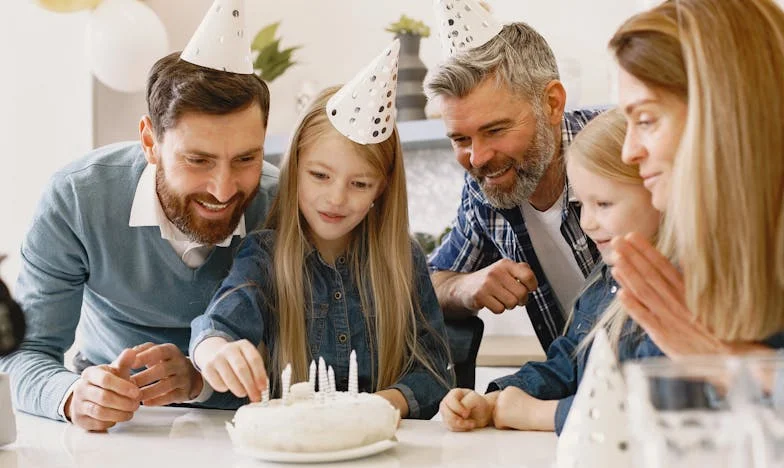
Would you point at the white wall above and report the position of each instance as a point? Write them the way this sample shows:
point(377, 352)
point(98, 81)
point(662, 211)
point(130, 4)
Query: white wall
point(340, 36)
point(46, 117)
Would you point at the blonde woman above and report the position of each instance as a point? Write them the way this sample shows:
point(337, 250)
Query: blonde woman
point(700, 84)
point(334, 272)
point(614, 202)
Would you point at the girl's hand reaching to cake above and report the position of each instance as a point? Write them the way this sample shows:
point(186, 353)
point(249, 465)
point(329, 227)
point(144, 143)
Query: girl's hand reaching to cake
point(234, 366)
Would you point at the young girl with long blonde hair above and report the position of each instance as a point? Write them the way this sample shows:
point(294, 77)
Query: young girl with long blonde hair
point(334, 271)
point(614, 202)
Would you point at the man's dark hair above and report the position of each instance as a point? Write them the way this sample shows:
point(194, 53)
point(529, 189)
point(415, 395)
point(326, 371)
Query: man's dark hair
point(176, 87)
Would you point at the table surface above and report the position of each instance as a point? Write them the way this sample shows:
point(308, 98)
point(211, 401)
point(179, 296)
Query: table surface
point(194, 438)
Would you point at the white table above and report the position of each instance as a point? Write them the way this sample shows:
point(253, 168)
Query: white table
point(181, 437)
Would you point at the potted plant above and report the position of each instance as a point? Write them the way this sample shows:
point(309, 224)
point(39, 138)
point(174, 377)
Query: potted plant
point(410, 99)
point(271, 62)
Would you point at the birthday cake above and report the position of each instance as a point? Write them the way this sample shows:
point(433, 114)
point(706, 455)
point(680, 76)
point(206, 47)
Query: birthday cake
point(306, 421)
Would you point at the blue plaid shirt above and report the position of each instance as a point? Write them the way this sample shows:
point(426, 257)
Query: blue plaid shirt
point(482, 234)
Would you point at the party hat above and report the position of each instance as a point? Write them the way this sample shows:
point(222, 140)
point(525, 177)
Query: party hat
point(364, 109)
point(464, 25)
point(221, 42)
point(596, 432)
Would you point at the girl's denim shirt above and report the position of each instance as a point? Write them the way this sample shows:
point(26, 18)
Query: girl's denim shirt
point(557, 377)
point(336, 323)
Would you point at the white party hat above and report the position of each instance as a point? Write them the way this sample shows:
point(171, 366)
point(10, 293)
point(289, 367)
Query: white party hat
point(364, 109)
point(464, 25)
point(221, 42)
point(596, 432)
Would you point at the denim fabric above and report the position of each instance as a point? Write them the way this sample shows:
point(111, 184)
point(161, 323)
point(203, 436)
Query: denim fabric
point(482, 234)
point(336, 323)
point(557, 377)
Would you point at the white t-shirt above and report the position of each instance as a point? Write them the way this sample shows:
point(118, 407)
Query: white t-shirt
point(554, 253)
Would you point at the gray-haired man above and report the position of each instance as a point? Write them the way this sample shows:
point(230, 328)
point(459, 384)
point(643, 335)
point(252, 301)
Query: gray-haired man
point(516, 239)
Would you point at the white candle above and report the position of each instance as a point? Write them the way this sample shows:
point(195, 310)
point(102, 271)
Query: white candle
point(265, 397)
point(353, 382)
point(312, 377)
point(323, 384)
point(286, 383)
point(331, 377)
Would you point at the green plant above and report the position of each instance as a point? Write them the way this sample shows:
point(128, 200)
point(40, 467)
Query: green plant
point(271, 62)
point(408, 25)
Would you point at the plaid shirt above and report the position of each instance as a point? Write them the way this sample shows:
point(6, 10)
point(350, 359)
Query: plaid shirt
point(482, 234)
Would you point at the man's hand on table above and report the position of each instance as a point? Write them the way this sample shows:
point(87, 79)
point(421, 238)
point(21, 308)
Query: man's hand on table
point(169, 376)
point(104, 395)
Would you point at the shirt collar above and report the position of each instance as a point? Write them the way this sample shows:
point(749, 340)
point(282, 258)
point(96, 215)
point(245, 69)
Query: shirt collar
point(146, 210)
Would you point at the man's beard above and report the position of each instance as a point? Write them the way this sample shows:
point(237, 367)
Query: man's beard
point(528, 173)
point(180, 212)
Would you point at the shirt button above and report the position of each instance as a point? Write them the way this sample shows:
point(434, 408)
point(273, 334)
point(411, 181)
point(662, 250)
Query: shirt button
point(342, 338)
point(341, 260)
point(614, 289)
point(338, 295)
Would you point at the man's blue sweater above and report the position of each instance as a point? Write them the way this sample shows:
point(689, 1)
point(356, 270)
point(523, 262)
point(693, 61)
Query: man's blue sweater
point(82, 264)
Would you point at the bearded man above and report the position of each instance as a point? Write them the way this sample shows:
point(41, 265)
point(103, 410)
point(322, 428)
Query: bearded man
point(516, 239)
point(131, 241)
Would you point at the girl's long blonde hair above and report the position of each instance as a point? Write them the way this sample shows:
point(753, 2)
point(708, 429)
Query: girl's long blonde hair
point(597, 149)
point(724, 222)
point(379, 254)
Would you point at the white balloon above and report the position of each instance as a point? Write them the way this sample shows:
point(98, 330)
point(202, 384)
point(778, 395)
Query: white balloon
point(124, 39)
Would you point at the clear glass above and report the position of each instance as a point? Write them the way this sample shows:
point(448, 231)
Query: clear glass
point(760, 402)
point(680, 413)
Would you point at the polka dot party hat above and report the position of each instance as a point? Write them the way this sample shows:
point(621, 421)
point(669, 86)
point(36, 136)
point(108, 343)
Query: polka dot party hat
point(364, 109)
point(596, 432)
point(221, 42)
point(464, 25)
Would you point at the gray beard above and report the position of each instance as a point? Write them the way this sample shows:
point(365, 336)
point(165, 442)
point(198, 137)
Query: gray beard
point(529, 173)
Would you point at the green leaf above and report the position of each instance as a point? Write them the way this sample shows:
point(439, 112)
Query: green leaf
point(271, 62)
point(268, 52)
point(265, 36)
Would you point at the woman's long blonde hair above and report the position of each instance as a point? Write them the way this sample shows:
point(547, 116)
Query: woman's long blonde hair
point(379, 254)
point(597, 149)
point(724, 222)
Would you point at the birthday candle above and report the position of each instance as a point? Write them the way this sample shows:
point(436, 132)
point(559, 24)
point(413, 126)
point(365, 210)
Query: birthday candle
point(265, 397)
point(331, 378)
point(286, 379)
point(312, 377)
point(322, 380)
point(353, 383)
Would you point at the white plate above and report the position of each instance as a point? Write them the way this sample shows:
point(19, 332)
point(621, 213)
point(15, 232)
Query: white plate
point(318, 457)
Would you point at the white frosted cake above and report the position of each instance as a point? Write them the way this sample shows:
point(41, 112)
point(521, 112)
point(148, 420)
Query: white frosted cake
point(304, 421)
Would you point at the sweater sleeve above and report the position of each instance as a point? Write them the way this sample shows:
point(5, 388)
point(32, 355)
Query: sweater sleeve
point(53, 272)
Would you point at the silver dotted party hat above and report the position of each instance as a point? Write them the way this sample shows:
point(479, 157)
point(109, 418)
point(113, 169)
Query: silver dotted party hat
point(596, 432)
point(464, 25)
point(364, 109)
point(221, 42)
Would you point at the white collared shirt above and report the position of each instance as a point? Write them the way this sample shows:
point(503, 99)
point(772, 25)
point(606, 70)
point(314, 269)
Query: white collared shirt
point(147, 211)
